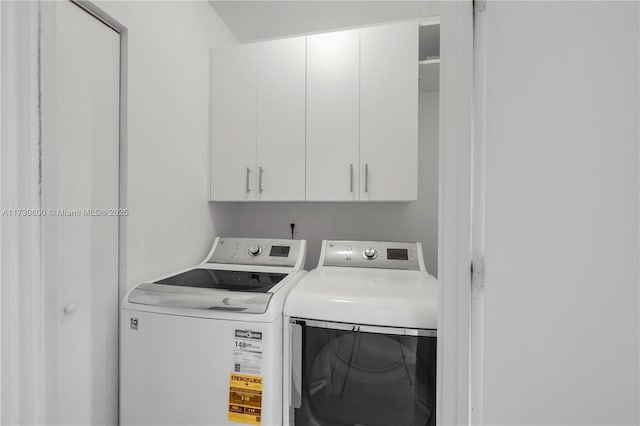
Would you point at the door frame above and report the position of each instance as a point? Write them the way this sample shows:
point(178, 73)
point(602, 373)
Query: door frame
point(454, 218)
point(21, 346)
point(454, 203)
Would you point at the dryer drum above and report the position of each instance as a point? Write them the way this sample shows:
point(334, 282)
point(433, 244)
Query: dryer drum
point(358, 378)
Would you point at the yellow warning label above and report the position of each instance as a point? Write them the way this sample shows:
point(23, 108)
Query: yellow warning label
point(245, 399)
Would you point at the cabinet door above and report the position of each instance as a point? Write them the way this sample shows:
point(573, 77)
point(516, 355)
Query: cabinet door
point(389, 112)
point(233, 124)
point(281, 119)
point(332, 116)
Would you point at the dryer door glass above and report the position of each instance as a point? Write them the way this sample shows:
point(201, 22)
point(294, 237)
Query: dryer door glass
point(351, 377)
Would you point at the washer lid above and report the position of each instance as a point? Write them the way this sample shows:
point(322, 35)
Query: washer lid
point(199, 298)
point(383, 297)
point(213, 289)
point(241, 281)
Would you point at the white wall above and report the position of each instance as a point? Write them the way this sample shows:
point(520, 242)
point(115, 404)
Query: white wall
point(562, 193)
point(169, 226)
point(417, 221)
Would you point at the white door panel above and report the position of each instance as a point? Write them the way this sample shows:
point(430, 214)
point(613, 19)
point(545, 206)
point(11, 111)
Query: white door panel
point(233, 124)
point(281, 119)
point(389, 112)
point(332, 116)
point(85, 278)
point(561, 294)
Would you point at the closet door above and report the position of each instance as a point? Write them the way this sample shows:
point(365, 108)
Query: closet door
point(281, 119)
point(389, 112)
point(332, 116)
point(233, 124)
point(80, 181)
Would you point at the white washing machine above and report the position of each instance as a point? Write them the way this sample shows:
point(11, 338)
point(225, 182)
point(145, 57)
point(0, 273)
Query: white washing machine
point(204, 345)
point(360, 348)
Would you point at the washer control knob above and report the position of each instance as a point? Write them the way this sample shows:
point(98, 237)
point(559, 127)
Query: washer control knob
point(255, 250)
point(370, 253)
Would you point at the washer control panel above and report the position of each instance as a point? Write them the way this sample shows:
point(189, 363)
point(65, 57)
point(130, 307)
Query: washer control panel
point(372, 254)
point(256, 251)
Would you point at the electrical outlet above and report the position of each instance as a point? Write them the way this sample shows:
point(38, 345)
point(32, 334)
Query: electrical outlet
point(292, 227)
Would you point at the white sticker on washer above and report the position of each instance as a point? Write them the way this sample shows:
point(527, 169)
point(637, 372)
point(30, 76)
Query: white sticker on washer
point(247, 351)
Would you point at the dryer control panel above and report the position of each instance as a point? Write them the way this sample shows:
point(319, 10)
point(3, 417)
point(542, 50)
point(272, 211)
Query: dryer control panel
point(372, 254)
point(257, 251)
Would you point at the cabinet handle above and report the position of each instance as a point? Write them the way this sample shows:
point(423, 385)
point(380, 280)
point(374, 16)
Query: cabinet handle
point(248, 173)
point(351, 184)
point(261, 170)
point(366, 177)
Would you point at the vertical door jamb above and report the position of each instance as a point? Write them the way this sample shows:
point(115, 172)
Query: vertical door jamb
point(22, 338)
point(454, 221)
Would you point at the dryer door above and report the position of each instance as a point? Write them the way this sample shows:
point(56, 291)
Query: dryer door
point(348, 374)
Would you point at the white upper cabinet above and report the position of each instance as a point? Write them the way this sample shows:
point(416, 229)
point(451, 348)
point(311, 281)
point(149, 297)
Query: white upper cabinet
point(332, 116)
point(326, 117)
point(281, 120)
point(233, 124)
point(258, 122)
point(389, 112)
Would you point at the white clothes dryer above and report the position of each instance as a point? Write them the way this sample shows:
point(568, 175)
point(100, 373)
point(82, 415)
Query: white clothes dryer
point(203, 346)
point(362, 336)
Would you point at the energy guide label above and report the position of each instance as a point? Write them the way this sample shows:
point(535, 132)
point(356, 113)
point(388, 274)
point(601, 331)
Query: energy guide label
point(247, 351)
point(245, 399)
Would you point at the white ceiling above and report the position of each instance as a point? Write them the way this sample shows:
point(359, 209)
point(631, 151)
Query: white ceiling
point(254, 20)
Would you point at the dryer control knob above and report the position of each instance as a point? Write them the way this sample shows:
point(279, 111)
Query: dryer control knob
point(370, 253)
point(255, 250)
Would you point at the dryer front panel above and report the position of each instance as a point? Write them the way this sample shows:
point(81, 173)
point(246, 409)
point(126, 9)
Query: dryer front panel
point(344, 374)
